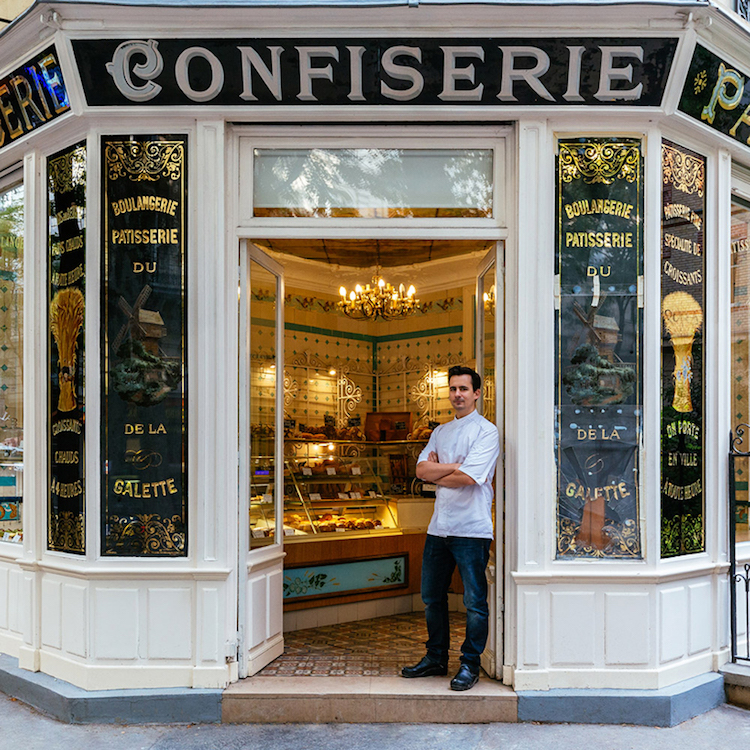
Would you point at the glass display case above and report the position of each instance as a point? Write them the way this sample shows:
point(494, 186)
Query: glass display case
point(327, 495)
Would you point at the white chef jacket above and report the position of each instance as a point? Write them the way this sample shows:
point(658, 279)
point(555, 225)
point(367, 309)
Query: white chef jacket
point(473, 442)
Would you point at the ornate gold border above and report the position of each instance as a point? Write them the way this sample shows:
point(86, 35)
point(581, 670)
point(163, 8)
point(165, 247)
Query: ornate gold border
point(68, 171)
point(682, 170)
point(157, 535)
point(65, 531)
point(599, 162)
point(144, 160)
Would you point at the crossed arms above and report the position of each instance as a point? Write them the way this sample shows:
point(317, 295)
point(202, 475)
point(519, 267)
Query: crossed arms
point(446, 475)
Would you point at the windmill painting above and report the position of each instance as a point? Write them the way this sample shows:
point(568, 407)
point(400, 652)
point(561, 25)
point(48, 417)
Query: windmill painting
point(145, 375)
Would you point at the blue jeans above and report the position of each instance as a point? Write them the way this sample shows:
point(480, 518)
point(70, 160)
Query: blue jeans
point(441, 556)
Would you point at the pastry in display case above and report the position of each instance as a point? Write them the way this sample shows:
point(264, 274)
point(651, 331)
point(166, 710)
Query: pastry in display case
point(338, 495)
point(321, 496)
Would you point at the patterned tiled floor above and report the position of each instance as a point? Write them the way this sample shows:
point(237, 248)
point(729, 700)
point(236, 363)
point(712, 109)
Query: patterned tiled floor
point(369, 647)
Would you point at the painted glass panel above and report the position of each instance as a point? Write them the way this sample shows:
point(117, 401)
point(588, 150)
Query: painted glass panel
point(338, 579)
point(682, 372)
point(598, 347)
point(144, 502)
point(66, 177)
point(740, 352)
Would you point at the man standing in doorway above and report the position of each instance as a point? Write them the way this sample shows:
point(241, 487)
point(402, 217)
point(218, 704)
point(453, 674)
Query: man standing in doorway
point(460, 459)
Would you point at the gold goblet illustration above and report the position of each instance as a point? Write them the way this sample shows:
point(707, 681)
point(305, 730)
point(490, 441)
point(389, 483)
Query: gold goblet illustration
point(683, 317)
point(66, 313)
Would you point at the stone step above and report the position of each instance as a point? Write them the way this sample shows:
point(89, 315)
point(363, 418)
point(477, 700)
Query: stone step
point(364, 699)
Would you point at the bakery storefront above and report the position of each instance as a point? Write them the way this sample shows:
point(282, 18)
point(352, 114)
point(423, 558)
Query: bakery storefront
point(240, 247)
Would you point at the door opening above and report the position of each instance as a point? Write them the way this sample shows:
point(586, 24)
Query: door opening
point(341, 398)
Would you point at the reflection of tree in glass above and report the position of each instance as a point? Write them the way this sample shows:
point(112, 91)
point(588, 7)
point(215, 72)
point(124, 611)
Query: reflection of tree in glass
point(330, 179)
point(11, 286)
point(471, 186)
point(595, 380)
point(11, 217)
point(364, 181)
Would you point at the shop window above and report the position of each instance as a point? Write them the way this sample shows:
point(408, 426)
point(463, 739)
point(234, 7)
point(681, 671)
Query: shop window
point(66, 182)
point(599, 347)
point(144, 507)
point(682, 372)
point(373, 183)
point(740, 353)
point(11, 363)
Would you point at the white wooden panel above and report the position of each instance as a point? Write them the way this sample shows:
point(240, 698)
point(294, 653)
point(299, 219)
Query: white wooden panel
point(75, 620)
point(210, 633)
point(4, 581)
point(531, 611)
point(275, 603)
point(626, 628)
point(14, 591)
point(26, 602)
point(573, 627)
point(51, 613)
point(700, 617)
point(169, 622)
point(673, 631)
point(257, 602)
point(116, 623)
point(724, 633)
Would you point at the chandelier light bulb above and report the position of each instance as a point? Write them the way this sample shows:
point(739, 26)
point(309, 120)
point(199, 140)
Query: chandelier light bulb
point(381, 300)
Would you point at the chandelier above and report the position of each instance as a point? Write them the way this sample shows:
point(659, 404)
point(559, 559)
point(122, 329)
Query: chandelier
point(379, 300)
point(489, 301)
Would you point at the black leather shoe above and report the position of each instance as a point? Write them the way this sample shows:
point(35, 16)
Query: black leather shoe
point(465, 678)
point(426, 668)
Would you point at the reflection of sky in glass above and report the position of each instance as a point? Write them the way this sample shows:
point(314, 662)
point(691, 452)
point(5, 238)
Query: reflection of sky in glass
point(320, 180)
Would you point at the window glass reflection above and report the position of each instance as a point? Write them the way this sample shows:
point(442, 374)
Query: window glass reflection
point(740, 359)
point(262, 404)
point(11, 364)
point(372, 183)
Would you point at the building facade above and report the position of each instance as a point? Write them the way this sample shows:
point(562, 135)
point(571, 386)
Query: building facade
point(210, 439)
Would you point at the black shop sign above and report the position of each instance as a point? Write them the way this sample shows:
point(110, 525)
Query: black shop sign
point(355, 71)
point(717, 93)
point(31, 96)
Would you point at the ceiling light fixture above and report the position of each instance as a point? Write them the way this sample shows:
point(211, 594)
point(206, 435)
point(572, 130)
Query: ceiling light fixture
point(489, 301)
point(381, 300)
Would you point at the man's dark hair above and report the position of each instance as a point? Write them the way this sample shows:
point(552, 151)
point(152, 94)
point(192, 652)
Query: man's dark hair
point(476, 380)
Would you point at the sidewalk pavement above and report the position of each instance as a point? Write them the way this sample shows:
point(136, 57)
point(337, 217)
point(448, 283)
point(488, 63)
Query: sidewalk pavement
point(22, 728)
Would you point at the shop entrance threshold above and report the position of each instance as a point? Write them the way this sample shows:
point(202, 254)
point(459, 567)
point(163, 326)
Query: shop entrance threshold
point(349, 673)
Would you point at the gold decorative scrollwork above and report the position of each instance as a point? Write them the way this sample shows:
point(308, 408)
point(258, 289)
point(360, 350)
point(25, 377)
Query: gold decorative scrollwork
point(65, 531)
point(700, 82)
point(425, 392)
point(684, 171)
point(348, 397)
point(146, 534)
point(624, 540)
point(145, 160)
point(350, 450)
point(291, 390)
point(68, 171)
point(600, 161)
